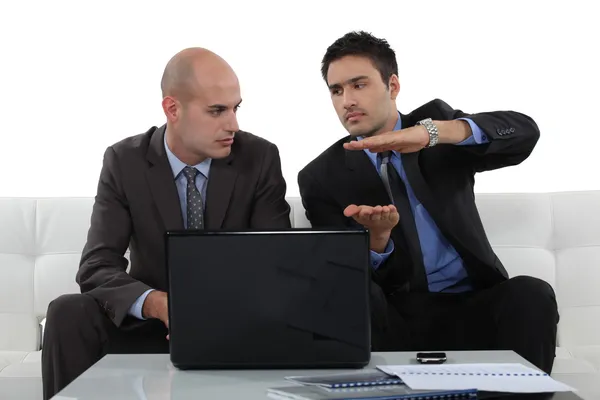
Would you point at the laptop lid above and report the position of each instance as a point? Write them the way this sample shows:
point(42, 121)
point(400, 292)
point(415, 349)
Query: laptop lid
point(293, 298)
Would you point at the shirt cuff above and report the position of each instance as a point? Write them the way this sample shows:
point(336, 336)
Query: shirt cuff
point(379, 258)
point(478, 137)
point(136, 308)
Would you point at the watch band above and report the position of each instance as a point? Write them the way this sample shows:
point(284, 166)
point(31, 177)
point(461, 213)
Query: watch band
point(431, 129)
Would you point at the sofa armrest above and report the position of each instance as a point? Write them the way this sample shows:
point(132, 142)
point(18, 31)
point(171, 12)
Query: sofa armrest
point(42, 327)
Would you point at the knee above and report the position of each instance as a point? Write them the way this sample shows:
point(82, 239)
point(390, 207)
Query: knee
point(70, 309)
point(534, 287)
point(533, 293)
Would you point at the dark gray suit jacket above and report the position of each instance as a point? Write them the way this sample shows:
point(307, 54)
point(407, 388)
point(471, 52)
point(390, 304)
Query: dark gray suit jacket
point(137, 202)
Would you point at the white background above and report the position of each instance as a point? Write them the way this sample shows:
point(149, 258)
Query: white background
point(77, 76)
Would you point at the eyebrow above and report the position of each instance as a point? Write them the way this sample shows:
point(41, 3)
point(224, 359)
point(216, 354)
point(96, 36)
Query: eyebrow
point(223, 106)
point(352, 80)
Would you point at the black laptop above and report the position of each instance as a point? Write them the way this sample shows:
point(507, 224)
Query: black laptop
point(297, 298)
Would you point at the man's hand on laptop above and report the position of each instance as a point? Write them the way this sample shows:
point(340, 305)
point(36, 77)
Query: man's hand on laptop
point(156, 306)
point(379, 220)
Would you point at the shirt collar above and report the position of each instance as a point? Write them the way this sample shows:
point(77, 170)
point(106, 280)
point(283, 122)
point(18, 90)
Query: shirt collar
point(177, 165)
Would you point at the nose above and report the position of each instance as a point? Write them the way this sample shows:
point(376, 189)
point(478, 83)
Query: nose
point(349, 101)
point(232, 124)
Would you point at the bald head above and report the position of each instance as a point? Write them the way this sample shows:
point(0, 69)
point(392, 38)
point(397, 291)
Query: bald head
point(191, 70)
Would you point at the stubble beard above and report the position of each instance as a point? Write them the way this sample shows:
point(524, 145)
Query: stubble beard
point(372, 131)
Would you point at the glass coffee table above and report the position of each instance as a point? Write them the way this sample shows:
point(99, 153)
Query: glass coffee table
point(152, 376)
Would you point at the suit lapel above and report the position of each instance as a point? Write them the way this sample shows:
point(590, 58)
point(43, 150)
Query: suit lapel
point(421, 189)
point(218, 192)
point(410, 162)
point(162, 183)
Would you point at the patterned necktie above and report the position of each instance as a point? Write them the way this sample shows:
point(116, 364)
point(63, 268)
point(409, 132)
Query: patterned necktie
point(195, 207)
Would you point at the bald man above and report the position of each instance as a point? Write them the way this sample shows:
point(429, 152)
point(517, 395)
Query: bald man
point(198, 171)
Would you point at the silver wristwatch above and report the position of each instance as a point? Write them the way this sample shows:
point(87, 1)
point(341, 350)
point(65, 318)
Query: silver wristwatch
point(431, 129)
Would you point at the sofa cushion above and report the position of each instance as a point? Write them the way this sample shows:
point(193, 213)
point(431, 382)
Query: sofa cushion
point(12, 357)
point(20, 364)
point(22, 370)
point(19, 331)
point(588, 353)
point(572, 366)
point(576, 231)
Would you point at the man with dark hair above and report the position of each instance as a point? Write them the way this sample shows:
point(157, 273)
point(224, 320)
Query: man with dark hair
point(408, 179)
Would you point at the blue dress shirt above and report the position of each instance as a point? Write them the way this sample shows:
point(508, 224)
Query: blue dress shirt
point(181, 183)
point(444, 267)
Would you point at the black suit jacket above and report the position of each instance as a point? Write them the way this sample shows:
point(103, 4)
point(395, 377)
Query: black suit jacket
point(137, 201)
point(442, 178)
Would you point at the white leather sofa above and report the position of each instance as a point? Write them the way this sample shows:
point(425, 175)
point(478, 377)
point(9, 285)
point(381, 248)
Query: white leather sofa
point(554, 236)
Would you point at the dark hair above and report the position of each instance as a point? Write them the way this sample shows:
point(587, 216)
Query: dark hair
point(363, 44)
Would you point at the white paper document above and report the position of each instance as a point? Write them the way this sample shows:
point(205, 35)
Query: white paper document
point(514, 378)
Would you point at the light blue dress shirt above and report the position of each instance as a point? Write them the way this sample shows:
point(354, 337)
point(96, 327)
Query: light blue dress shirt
point(444, 267)
point(181, 183)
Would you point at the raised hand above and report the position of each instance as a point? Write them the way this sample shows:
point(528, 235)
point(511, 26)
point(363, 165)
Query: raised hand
point(407, 140)
point(379, 220)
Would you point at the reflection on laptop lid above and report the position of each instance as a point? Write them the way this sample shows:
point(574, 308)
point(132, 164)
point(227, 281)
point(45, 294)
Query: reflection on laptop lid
point(292, 299)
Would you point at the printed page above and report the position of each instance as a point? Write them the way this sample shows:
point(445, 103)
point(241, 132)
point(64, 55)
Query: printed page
point(514, 378)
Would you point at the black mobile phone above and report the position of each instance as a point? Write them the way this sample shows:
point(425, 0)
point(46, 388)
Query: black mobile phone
point(431, 358)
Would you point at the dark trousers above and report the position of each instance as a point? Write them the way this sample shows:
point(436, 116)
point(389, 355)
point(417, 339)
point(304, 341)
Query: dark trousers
point(519, 314)
point(78, 334)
